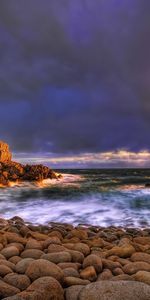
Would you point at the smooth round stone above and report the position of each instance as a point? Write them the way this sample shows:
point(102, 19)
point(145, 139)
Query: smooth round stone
point(58, 257)
point(23, 264)
point(44, 288)
point(69, 281)
point(88, 273)
point(19, 281)
point(53, 248)
point(115, 290)
point(31, 253)
point(15, 259)
point(8, 264)
point(142, 276)
point(7, 290)
point(10, 251)
point(93, 260)
point(140, 256)
point(76, 256)
point(41, 267)
point(134, 267)
point(4, 270)
point(33, 244)
point(71, 272)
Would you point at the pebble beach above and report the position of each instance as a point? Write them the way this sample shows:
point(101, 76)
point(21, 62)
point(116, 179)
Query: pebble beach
point(59, 261)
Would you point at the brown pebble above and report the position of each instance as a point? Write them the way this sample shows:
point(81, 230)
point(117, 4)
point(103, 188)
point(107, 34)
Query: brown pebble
point(10, 251)
point(88, 273)
point(41, 267)
point(4, 270)
point(93, 260)
point(32, 253)
point(134, 267)
point(71, 272)
point(69, 281)
point(15, 259)
point(19, 281)
point(58, 257)
point(7, 290)
point(105, 275)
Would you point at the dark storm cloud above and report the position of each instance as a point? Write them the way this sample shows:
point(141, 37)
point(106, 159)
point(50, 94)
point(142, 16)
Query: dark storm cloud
point(74, 75)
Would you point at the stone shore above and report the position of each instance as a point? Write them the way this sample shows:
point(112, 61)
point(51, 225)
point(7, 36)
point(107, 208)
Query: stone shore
point(60, 261)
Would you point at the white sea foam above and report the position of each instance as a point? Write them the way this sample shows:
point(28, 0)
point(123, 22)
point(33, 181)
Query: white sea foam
point(76, 200)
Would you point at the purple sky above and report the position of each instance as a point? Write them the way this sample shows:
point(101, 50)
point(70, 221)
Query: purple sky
point(75, 77)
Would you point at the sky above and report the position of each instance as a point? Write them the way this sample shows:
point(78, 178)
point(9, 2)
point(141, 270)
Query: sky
point(75, 81)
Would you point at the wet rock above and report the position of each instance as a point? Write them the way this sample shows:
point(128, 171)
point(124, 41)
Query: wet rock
point(11, 171)
point(19, 281)
point(115, 290)
point(93, 260)
point(41, 268)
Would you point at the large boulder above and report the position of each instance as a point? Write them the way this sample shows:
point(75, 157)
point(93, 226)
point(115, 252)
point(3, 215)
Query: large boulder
point(115, 290)
point(44, 288)
point(5, 154)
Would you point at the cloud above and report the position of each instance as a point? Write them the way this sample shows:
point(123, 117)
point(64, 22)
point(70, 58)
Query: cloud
point(74, 75)
point(120, 158)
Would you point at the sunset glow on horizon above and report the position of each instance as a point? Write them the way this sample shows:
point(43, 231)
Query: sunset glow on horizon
point(119, 158)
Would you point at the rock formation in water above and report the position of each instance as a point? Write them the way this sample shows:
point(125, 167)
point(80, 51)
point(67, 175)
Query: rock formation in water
point(11, 171)
point(5, 154)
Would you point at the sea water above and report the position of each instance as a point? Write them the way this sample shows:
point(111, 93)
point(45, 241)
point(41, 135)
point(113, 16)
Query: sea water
point(98, 197)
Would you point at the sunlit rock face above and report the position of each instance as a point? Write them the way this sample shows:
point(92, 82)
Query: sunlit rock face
point(13, 172)
point(5, 154)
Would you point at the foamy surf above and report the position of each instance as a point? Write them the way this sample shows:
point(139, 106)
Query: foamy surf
point(88, 197)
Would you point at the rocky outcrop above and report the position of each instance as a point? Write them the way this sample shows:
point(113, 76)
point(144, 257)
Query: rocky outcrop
point(5, 154)
point(13, 172)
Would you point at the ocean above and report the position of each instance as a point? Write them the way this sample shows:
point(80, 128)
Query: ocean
point(103, 197)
